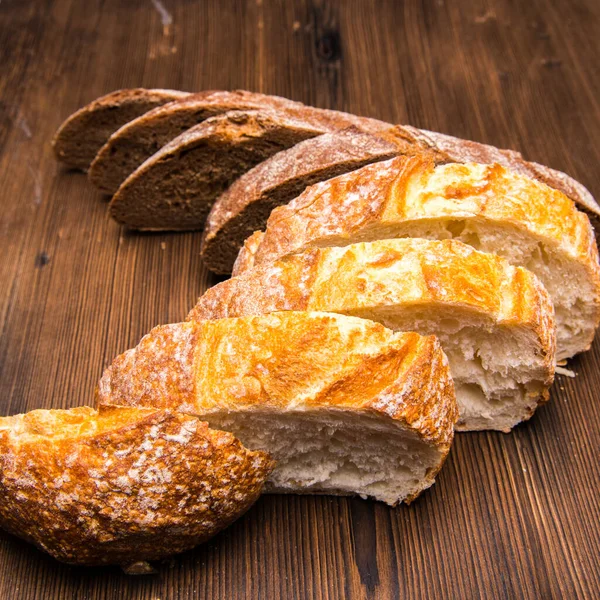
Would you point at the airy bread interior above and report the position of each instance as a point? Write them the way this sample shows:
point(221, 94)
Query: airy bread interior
point(333, 451)
point(499, 373)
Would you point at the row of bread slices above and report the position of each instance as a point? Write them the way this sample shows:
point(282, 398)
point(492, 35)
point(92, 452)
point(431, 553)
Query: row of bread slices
point(327, 402)
point(324, 402)
point(171, 157)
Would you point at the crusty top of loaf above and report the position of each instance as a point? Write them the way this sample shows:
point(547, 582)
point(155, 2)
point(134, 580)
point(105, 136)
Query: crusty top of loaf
point(121, 484)
point(247, 253)
point(458, 150)
point(397, 274)
point(290, 361)
point(411, 188)
point(217, 102)
point(238, 99)
point(304, 158)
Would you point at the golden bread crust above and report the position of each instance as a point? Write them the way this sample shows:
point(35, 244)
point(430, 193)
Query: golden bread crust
point(290, 361)
point(397, 273)
point(122, 484)
point(245, 257)
point(412, 188)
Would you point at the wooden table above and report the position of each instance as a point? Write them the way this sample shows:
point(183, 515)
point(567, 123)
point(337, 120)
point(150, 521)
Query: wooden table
point(511, 516)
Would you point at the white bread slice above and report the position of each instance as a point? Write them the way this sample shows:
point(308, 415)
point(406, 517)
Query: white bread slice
point(121, 485)
point(344, 405)
point(495, 321)
point(485, 206)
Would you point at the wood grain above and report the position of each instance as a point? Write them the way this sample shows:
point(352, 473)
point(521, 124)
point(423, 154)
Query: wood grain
point(511, 516)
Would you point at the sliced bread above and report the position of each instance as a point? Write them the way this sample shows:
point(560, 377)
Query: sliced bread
point(344, 405)
point(246, 205)
point(487, 206)
point(176, 187)
point(451, 149)
point(81, 136)
point(121, 485)
point(129, 147)
point(495, 321)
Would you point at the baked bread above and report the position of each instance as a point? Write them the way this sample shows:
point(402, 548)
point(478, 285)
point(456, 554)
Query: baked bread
point(451, 149)
point(121, 485)
point(494, 321)
point(344, 405)
point(246, 256)
point(129, 147)
point(487, 206)
point(79, 138)
point(246, 205)
point(176, 187)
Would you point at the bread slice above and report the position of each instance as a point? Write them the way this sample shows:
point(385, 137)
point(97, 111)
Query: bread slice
point(451, 149)
point(129, 147)
point(344, 405)
point(494, 321)
point(81, 136)
point(486, 206)
point(246, 205)
point(121, 485)
point(176, 187)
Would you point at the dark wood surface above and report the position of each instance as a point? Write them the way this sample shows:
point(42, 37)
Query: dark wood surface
point(511, 516)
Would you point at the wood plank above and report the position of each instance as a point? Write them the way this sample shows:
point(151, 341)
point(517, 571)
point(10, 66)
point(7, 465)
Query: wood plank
point(511, 516)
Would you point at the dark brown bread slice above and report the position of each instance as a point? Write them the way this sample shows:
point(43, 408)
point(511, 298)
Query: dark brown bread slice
point(247, 204)
point(131, 145)
point(176, 187)
point(79, 138)
point(447, 148)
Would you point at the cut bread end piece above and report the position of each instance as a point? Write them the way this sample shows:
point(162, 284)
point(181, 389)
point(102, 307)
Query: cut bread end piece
point(344, 405)
point(121, 484)
point(495, 321)
point(486, 206)
point(81, 136)
point(176, 187)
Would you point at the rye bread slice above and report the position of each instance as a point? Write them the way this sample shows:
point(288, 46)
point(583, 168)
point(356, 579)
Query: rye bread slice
point(176, 187)
point(79, 138)
point(131, 145)
point(247, 204)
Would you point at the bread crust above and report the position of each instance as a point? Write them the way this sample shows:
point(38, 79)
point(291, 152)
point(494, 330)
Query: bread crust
point(406, 188)
point(448, 148)
point(245, 206)
point(399, 274)
point(290, 361)
point(148, 133)
point(81, 136)
point(121, 485)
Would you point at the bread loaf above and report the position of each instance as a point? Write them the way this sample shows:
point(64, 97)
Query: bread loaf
point(121, 485)
point(81, 136)
point(488, 207)
point(494, 321)
point(129, 147)
point(246, 205)
point(344, 405)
